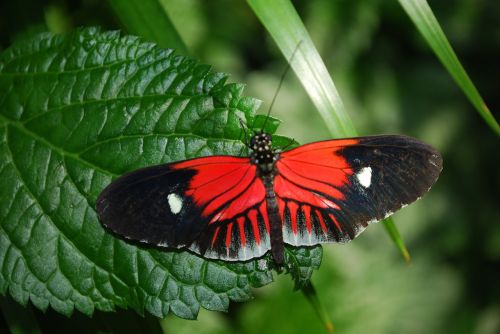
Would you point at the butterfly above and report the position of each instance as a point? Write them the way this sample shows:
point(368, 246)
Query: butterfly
point(239, 208)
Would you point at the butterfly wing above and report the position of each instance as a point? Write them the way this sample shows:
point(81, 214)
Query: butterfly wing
point(214, 206)
point(326, 192)
point(330, 191)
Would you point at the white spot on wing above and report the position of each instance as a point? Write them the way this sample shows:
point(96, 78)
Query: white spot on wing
point(365, 176)
point(175, 203)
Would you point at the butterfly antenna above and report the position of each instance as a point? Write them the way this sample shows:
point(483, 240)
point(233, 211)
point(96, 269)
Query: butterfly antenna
point(281, 82)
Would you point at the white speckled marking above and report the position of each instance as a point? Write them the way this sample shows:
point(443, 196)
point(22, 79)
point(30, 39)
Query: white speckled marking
point(175, 203)
point(365, 176)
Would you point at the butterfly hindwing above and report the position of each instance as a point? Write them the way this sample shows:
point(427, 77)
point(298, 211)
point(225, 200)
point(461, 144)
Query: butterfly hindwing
point(214, 205)
point(330, 191)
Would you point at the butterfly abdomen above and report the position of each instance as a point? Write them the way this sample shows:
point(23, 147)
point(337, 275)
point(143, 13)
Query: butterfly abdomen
point(263, 156)
point(275, 221)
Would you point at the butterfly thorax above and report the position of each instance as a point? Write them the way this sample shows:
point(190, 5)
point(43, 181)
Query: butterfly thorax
point(262, 153)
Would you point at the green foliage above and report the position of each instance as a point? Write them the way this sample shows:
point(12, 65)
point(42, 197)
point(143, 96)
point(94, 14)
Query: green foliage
point(423, 18)
point(148, 19)
point(390, 82)
point(285, 26)
point(302, 262)
point(79, 110)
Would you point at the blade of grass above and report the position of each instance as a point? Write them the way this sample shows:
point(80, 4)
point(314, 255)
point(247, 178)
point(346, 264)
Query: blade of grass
point(311, 295)
point(148, 19)
point(390, 227)
point(423, 17)
point(285, 26)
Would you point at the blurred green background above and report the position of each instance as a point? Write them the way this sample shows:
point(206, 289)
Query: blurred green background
point(391, 82)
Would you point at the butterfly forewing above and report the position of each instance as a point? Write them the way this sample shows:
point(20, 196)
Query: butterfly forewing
point(214, 205)
point(330, 191)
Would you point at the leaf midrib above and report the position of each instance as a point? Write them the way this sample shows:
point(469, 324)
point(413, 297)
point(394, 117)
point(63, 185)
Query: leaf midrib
point(103, 294)
point(77, 155)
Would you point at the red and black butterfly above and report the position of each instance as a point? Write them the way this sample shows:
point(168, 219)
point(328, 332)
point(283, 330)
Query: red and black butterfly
point(239, 208)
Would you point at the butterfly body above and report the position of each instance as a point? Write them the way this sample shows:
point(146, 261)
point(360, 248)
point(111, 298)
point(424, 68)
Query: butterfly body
point(239, 208)
point(264, 157)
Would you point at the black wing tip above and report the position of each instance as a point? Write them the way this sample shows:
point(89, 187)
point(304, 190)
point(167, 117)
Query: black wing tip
point(434, 161)
point(434, 157)
point(102, 205)
point(411, 168)
point(396, 139)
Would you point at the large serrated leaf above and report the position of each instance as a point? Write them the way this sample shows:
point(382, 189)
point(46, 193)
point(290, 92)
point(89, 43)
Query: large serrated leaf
point(78, 110)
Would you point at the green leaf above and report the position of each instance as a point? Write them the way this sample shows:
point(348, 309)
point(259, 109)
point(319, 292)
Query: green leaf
point(301, 263)
point(148, 19)
point(423, 17)
point(396, 238)
point(284, 143)
point(266, 123)
point(310, 293)
point(76, 111)
point(285, 26)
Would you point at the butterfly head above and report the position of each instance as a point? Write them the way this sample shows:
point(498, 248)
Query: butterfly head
point(262, 153)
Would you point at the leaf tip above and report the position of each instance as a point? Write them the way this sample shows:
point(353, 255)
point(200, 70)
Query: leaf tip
point(406, 254)
point(329, 327)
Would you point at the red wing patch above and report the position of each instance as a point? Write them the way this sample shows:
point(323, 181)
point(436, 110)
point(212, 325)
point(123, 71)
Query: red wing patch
point(309, 184)
point(231, 198)
point(223, 186)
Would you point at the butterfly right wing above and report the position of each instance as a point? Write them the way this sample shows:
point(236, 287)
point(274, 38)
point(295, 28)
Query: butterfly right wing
point(214, 206)
point(330, 191)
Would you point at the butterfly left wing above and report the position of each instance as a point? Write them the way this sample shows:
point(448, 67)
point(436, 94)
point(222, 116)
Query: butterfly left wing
point(330, 191)
point(214, 206)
